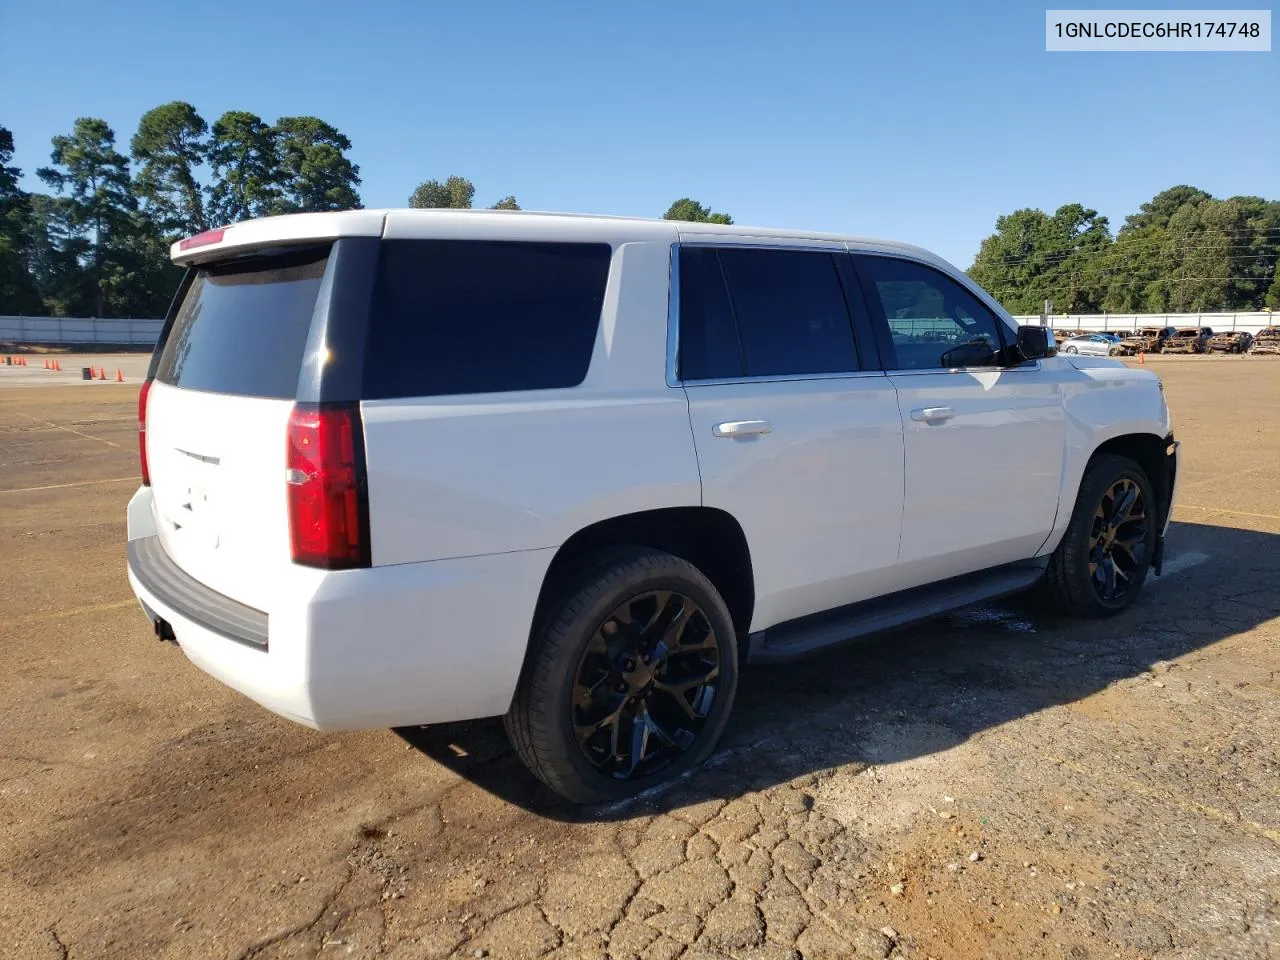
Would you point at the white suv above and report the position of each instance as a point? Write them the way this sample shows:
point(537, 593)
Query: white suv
point(405, 467)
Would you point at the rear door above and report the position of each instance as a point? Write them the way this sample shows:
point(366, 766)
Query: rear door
point(984, 442)
point(797, 433)
point(225, 381)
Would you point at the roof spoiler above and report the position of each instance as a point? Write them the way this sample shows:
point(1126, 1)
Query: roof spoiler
point(289, 229)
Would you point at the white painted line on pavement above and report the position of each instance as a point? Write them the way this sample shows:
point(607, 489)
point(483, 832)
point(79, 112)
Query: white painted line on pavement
point(63, 486)
point(1183, 561)
point(1228, 512)
point(59, 426)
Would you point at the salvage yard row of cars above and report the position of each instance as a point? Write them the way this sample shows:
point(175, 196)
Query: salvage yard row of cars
point(1107, 343)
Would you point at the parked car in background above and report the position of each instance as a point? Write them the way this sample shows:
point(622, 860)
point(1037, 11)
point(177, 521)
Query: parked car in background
point(1143, 340)
point(1266, 340)
point(1091, 344)
point(1230, 341)
point(1063, 334)
point(405, 467)
point(1188, 340)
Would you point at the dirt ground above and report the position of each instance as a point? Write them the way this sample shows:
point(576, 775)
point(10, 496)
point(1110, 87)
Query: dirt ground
point(997, 784)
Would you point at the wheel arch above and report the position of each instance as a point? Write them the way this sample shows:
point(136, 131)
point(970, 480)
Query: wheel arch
point(710, 539)
point(1151, 452)
point(1148, 449)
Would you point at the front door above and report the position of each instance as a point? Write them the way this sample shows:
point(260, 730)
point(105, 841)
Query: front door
point(984, 442)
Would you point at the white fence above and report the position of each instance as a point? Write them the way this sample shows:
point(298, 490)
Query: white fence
point(1128, 322)
point(79, 330)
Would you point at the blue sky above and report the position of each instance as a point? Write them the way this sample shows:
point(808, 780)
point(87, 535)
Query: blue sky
point(920, 122)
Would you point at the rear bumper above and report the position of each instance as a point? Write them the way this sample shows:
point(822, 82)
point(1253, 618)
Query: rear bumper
point(378, 647)
point(163, 579)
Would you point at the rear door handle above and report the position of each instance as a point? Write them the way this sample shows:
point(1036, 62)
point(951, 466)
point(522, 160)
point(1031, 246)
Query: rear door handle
point(742, 428)
point(932, 414)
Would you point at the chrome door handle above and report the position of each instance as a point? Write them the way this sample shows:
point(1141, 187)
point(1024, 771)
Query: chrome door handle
point(742, 428)
point(932, 414)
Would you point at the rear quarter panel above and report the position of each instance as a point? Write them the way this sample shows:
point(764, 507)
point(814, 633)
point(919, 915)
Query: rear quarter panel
point(492, 473)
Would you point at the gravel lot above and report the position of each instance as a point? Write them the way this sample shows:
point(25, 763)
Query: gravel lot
point(997, 784)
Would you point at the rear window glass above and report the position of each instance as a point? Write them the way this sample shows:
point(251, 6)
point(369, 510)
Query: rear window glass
point(470, 316)
point(242, 328)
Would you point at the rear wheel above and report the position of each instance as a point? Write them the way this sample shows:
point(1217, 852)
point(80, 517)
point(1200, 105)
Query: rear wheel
point(1070, 350)
point(630, 681)
point(1102, 562)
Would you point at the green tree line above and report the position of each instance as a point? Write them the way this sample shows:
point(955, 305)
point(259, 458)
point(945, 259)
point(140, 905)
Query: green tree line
point(97, 243)
point(1183, 251)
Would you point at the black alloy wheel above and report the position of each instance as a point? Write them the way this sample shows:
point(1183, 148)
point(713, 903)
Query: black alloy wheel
point(1118, 540)
point(630, 676)
point(645, 684)
point(1101, 563)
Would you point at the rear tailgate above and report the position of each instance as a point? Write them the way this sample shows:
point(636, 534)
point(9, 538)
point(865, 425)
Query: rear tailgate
point(225, 382)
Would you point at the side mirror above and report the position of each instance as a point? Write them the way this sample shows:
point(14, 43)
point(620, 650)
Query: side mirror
point(1036, 343)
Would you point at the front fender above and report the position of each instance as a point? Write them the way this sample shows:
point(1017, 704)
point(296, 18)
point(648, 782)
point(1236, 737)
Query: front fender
point(1105, 400)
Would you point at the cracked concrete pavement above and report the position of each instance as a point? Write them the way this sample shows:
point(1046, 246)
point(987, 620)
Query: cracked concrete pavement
point(1000, 783)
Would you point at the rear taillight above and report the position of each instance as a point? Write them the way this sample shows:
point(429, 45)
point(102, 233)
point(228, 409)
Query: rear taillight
point(142, 433)
point(328, 511)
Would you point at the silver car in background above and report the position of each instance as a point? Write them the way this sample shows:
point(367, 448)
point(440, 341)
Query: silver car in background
point(1090, 344)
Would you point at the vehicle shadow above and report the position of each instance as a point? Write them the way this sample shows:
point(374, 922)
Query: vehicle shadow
point(953, 677)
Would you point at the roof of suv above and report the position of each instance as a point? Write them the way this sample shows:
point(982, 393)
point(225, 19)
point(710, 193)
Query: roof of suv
point(496, 224)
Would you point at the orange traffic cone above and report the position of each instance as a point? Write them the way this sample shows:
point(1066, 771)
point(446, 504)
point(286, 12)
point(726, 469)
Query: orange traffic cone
point(46, 363)
point(119, 376)
point(1142, 358)
point(102, 373)
point(57, 365)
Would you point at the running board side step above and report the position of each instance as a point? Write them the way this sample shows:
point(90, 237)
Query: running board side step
point(806, 635)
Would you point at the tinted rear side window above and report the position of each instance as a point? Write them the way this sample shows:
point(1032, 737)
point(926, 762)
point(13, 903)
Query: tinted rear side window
point(467, 316)
point(709, 347)
point(791, 312)
point(242, 328)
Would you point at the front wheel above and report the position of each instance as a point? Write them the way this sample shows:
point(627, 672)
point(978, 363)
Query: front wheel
point(630, 681)
point(1102, 562)
point(1070, 350)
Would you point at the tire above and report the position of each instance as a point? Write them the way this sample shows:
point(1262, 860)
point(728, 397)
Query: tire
point(1070, 350)
point(574, 673)
point(1069, 581)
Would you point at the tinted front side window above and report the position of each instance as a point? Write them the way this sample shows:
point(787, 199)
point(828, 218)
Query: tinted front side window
point(791, 312)
point(933, 321)
point(468, 316)
point(242, 328)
